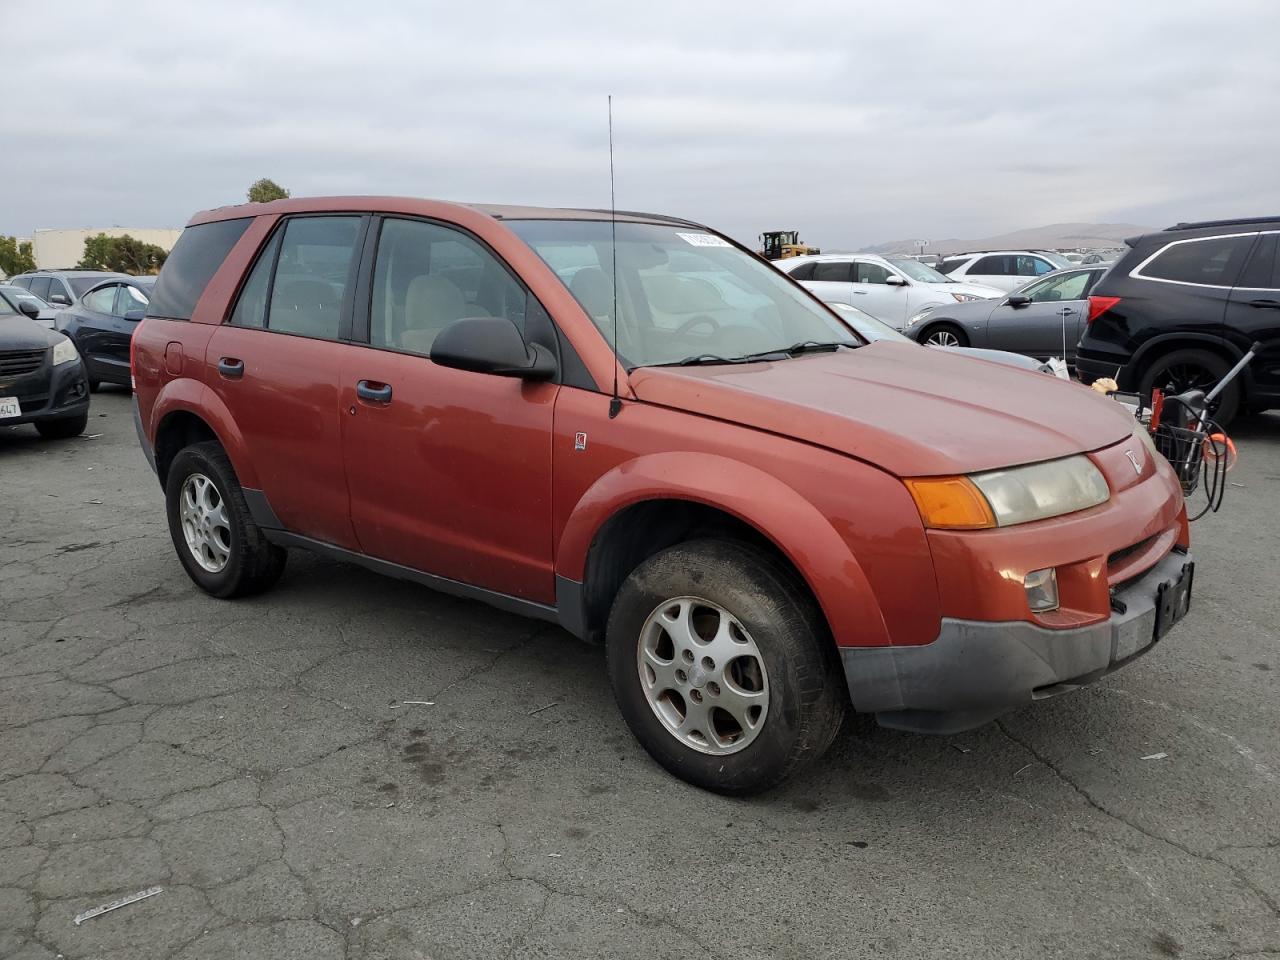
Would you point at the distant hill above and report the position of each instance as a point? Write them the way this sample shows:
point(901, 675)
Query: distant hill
point(1048, 237)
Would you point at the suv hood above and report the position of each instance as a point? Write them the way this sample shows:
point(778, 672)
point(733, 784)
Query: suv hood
point(910, 411)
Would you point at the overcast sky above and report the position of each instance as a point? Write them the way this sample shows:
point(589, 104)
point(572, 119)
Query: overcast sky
point(854, 122)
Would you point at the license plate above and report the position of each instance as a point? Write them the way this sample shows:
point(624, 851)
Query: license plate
point(1173, 599)
point(9, 407)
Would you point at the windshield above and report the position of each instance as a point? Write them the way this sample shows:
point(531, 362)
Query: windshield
point(868, 326)
point(1057, 259)
point(682, 293)
point(916, 270)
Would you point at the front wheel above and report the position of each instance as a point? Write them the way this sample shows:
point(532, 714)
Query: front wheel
point(723, 667)
point(945, 335)
point(218, 544)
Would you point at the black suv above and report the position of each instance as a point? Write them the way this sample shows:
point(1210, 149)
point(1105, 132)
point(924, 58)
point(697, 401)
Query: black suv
point(1183, 305)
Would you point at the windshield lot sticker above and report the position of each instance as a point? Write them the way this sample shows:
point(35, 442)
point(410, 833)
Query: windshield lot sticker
point(703, 240)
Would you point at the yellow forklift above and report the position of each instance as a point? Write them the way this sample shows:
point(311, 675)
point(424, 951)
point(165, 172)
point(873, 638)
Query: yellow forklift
point(781, 244)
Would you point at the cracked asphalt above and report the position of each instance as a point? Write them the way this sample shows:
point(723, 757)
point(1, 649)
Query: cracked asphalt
point(259, 761)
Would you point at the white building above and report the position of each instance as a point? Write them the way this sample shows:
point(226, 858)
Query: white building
point(54, 249)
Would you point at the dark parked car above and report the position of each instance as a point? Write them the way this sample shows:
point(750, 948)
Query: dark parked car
point(1183, 305)
point(27, 303)
point(1036, 319)
point(102, 324)
point(61, 288)
point(42, 380)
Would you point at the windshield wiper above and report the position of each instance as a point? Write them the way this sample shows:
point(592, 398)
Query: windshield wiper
point(803, 347)
point(698, 360)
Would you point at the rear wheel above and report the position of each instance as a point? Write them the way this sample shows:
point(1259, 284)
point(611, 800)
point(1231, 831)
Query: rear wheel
point(722, 666)
point(945, 335)
point(219, 545)
point(63, 428)
point(1192, 369)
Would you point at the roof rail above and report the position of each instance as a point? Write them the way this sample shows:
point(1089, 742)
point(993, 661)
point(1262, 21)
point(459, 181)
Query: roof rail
point(966, 253)
point(1195, 224)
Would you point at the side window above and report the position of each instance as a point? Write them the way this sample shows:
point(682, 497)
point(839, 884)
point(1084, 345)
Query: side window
point(1215, 261)
point(191, 264)
point(129, 298)
point(1263, 270)
point(836, 271)
point(311, 276)
point(251, 307)
point(804, 271)
point(992, 267)
point(102, 300)
point(871, 273)
point(40, 287)
point(23, 282)
point(426, 276)
point(1028, 266)
point(1069, 287)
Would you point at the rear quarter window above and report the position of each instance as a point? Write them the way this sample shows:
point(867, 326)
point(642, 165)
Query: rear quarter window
point(194, 260)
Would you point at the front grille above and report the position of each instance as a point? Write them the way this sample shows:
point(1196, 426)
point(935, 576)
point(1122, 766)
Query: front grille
point(1125, 552)
point(14, 363)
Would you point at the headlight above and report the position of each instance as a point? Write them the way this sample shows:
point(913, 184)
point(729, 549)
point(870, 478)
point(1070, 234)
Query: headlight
point(1002, 498)
point(64, 351)
point(966, 297)
point(916, 318)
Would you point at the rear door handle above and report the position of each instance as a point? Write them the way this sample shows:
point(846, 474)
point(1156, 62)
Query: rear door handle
point(1265, 304)
point(373, 392)
point(231, 368)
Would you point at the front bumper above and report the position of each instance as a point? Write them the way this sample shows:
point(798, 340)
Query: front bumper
point(48, 393)
point(977, 670)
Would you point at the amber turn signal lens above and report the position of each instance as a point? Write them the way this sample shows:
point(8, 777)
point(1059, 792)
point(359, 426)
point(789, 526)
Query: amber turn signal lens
point(951, 503)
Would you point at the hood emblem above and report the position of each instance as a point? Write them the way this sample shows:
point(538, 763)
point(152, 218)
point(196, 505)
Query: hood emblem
point(1133, 458)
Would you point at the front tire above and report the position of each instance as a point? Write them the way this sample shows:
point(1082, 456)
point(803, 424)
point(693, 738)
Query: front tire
point(944, 335)
point(722, 666)
point(63, 428)
point(218, 544)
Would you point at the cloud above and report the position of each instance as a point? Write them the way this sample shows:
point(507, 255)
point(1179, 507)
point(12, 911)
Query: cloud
point(854, 122)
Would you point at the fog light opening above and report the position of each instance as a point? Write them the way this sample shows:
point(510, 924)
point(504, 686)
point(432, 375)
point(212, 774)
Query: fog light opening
point(1042, 590)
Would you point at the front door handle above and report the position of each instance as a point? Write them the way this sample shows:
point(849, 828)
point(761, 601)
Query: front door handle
point(1265, 304)
point(231, 368)
point(373, 392)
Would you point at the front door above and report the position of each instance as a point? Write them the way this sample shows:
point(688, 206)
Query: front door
point(276, 365)
point(874, 294)
point(449, 470)
point(1050, 325)
point(102, 333)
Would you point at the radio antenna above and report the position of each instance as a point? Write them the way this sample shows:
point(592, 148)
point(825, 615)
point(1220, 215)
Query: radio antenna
point(615, 403)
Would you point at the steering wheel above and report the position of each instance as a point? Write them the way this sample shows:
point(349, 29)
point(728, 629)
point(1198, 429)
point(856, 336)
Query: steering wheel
point(694, 321)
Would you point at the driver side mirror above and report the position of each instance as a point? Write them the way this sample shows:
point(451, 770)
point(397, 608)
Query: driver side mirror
point(491, 345)
point(29, 308)
point(135, 314)
point(60, 300)
point(894, 280)
point(1017, 301)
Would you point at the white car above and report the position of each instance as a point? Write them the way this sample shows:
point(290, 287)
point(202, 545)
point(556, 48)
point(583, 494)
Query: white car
point(1005, 269)
point(889, 289)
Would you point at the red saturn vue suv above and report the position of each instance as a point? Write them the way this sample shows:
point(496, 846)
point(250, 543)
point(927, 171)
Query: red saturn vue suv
point(770, 521)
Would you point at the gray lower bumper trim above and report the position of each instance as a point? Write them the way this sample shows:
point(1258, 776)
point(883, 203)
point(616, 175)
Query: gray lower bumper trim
point(976, 670)
point(142, 436)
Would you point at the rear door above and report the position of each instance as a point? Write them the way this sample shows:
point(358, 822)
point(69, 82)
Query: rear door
point(997, 270)
point(1253, 314)
point(276, 365)
point(832, 280)
point(449, 470)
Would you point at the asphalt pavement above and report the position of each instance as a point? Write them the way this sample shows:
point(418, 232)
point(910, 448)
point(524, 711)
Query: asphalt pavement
point(355, 767)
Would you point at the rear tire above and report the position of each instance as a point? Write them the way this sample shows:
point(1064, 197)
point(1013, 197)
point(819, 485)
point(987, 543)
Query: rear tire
point(228, 556)
point(1193, 368)
point(944, 335)
point(63, 428)
point(781, 663)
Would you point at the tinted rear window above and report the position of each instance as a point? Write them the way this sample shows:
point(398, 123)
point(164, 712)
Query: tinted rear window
point(194, 260)
point(1215, 261)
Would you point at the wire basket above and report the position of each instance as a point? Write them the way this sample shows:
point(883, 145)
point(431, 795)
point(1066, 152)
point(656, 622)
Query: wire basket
point(1184, 449)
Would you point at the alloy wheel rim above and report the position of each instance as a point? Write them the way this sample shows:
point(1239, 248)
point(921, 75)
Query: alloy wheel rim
point(1185, 376)
point(703, 675)
point(943, 338)
point(205, 526)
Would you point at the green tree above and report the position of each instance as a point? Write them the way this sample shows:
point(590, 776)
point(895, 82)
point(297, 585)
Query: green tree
point(15, 257)
point(124, 254)
point(264, 191)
